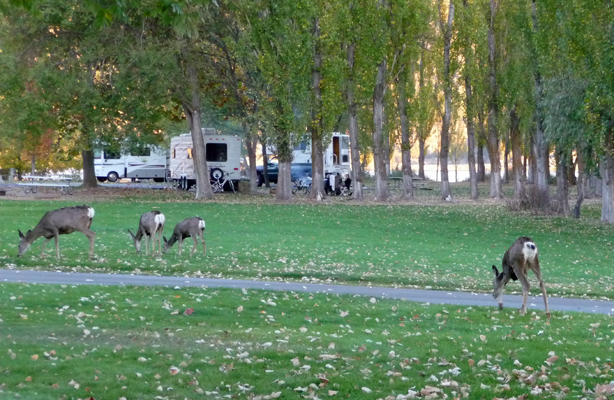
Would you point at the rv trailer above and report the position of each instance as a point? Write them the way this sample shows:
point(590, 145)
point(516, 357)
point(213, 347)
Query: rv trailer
point(336, 154)
point(222, 152)
point(146, 162)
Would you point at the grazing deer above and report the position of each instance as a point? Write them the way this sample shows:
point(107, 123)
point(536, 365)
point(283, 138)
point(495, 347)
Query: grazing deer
point(60, 222)
point(194, 227)
point(517, 261)
point(151, 225)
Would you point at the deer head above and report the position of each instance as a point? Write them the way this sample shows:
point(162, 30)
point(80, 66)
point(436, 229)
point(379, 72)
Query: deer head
point(24, 243)
point(137, 241)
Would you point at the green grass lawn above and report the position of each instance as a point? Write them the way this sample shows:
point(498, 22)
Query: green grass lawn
point(442, 247)
point(72, 342)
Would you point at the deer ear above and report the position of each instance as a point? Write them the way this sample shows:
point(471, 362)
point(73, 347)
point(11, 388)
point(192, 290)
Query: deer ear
point(495, 270)
point(21, 236)
point(164, 237)
point(131, 234)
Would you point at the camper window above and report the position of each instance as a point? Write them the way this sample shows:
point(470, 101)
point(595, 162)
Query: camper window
point(112, 155)
point(217, 152)
point(139, 151)
point(97, 154)
point(189, 153)
point(301, 146)
point(174, 155)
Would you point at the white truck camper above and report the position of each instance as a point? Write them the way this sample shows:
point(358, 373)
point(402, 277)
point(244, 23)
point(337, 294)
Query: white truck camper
point(146, 162)
point(336, 154)
point(222, 152)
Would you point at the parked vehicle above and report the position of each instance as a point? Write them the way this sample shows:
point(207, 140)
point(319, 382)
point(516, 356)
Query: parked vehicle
point(336, 155)
point(222, 152)
point(142, 162)
point(297, 171)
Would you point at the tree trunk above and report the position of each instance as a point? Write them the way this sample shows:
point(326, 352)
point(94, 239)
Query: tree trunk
point(192, 111)
point(379, 162)
point(251, 143)
point(493, 106)
point(542, 157)
point(317, 157)
point(471, 142)
point(519, 181)
point(284, 182)
point(89, 172)
point(562, 186)
point(265, 165)
point(447, 115)
point(506, 158)
point(357, 177)
point(407, 191)
point(421, 156)
point(606, 168)
point(482, 138)
point(580, 184)
point(481, 171)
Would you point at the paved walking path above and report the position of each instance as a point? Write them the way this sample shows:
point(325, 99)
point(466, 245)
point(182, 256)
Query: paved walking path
point(422, 296)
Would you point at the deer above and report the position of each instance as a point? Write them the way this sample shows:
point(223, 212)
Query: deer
point(517, 260)
point(151, 225)
point(191, 227)
point(60, 222)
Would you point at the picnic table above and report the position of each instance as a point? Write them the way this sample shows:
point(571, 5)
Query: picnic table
point(31, 183)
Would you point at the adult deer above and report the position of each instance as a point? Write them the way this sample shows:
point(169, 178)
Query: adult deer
point(191, 227)
point(151, 225)
point(517, 261)
point(60, 222)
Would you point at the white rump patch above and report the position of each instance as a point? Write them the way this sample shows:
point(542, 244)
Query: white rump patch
point(90, 212)
point(201, 224)
point(529, 253)
point(159, 220)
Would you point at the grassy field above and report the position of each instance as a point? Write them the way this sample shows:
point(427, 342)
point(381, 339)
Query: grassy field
point(154, 343)
point(434, 246)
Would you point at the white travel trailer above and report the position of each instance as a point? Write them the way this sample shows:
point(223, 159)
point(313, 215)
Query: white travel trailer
point(222, 152)
point(336, 155)
point(146, 162)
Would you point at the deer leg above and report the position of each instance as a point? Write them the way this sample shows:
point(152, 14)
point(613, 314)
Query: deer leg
point(57, 245)
point(502, 284)
point(202, 238)
point(526, 286)
point(538, 275)
point(179, 242)
point(43, 247)
point(195, 239)
point(91, 236)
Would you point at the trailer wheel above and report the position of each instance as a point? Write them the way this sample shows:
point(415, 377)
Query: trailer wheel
point(217, 174)
point(113, 176)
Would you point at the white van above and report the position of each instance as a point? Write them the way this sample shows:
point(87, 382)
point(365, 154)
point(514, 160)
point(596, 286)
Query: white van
point(222, 152)
point(146, 162)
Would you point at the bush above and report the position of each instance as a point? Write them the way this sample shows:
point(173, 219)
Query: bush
point(535, 201)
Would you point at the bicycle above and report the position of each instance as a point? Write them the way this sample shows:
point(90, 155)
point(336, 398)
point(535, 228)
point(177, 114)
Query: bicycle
point(302, 185)
point(219, 179)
